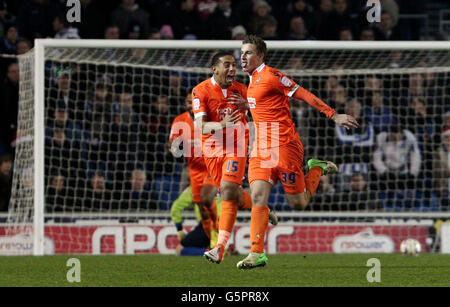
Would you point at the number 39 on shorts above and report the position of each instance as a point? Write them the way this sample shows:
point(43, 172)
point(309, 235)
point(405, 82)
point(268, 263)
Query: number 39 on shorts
point(288, 178)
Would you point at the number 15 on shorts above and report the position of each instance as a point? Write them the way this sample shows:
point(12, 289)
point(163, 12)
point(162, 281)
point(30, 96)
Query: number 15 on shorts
point(232, 166)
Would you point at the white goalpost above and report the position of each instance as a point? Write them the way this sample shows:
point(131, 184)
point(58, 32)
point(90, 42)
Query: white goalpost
point(92, 113)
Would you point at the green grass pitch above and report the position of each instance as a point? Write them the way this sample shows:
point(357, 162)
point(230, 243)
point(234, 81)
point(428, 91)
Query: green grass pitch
point(281, 271)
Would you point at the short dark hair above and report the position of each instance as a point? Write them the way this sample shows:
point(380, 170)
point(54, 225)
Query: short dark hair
point(259, 43)
point(216, 57)
point(6, 157)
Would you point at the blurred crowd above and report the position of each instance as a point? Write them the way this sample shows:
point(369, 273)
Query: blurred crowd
point(107, 127)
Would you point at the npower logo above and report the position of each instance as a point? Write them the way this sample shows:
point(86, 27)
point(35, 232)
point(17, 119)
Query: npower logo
point(22, 244)
point(133, 239)
point(363, 242)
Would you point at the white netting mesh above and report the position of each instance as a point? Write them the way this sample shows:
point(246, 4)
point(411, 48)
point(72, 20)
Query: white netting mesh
point(22, 193)
point(108, 116)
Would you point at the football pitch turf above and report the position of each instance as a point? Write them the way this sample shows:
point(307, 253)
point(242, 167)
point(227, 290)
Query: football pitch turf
point(299, 270)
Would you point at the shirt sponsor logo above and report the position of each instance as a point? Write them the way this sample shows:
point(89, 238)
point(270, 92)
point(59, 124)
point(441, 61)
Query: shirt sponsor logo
point(251, 102)
point(286, 82)
point(196, 104)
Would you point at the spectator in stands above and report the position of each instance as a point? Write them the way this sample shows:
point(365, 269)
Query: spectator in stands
point(9, 101)
point(134, 31)
point(167, 32)
point(35, 18)
point(97, 196)
point(205, 8)
point(65, 149)
point(5, 181)
point(187, 21)
point(8, 43)
point(395, 59)
point(338, 97)
point(260, 15)
point(354, 147)
point(6, 18)
point(321, 16)
point(63, 29)
point(159, 114)
point(391, 7)
point(434, 88)
point(366, 88)
point(441, 169)
point(98, 107)
point(269, 30)
point(367, 34)
point(124, 107)
point(64, 92)
point(297, 29)
point(112, 32)
point(416, 85)
point(299, 8)
point(386, 29)
point(56, 193)
point(420, 122)
point(136, 193)
point(238, 33)
point(397, 161)
point(57, 151)
point(127, 13)
point(446, 119)
point(154, 33)
point(295, 62)
point(222, 20)
point(358, 196)
point(123, 135)
point(175, 92)
point(378, 112)
point(345, 34)
point(422, 125)
point(338, 18)
point(23, 45)
point(61, 120)
point(158, 128)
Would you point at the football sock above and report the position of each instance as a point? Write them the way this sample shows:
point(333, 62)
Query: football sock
point(246, 200)
point(258, 226)
point(206, 225)
point(312, 180)
point(212, 213)
point(226, 221)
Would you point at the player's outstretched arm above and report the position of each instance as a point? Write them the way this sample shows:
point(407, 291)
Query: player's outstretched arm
point(344, 120)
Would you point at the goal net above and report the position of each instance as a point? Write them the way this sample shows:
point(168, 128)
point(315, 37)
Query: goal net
point(93, 173)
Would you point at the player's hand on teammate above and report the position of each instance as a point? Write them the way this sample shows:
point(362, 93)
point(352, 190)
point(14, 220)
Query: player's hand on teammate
point(239, 101)
point(231, 118)
point(346, 121)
